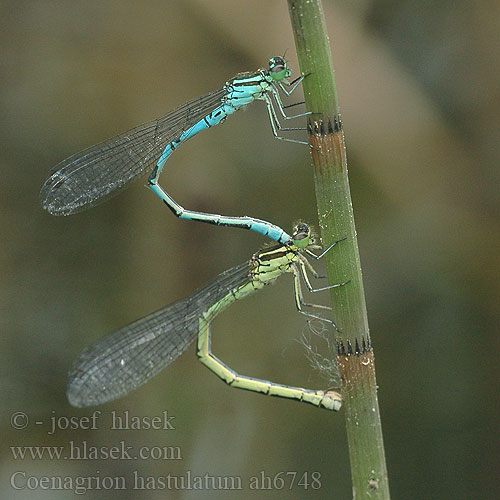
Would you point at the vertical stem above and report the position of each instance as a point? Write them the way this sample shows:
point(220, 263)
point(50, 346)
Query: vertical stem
point(336, 219)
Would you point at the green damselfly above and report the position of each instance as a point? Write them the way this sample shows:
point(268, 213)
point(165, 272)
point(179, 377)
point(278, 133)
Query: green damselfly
point(126, 359)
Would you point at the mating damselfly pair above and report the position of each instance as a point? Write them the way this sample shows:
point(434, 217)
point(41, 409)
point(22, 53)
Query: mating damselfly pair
point(129, 357)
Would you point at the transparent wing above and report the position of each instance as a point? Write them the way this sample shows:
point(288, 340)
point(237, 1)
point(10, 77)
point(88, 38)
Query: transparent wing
point(93, 175)
point(127, 358)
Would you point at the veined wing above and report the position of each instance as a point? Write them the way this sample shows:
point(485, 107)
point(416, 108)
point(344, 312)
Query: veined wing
point(127, 358)
point(94, 175)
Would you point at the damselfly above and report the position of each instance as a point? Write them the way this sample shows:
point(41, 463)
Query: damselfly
point(89, 177)
point(126, 359)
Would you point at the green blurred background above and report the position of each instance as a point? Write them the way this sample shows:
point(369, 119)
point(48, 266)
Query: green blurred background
point(419, 92)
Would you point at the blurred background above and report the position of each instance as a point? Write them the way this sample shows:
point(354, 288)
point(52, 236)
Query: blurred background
point(419, 89)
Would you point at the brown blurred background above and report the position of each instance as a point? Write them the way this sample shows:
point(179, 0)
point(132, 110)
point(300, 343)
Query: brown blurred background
point(419, 89)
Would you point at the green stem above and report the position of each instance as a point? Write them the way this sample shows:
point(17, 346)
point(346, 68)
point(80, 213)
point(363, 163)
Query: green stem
point(336, 220)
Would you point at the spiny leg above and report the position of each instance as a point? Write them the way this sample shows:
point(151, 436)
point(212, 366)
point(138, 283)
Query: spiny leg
point(281, 107)
point(299, 300)
point(299, 296)
point(275, 125)
point(286, 106)
point(303, 272)
point(294, 84)
point(299, 270)
point(317, 257)
point(322, 254)
point(313, 271)
point(330, 400)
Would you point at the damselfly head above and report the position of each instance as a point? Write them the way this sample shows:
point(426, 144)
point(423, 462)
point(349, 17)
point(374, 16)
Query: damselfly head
point(301, 236)
point(278, 68)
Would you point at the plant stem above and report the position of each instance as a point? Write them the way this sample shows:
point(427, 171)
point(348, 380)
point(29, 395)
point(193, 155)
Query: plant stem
point(355, 354)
